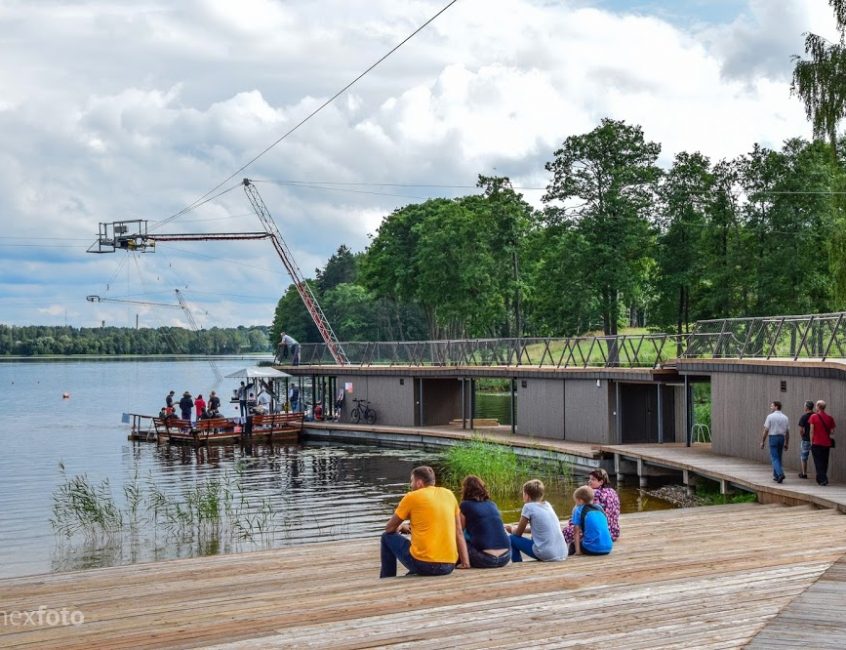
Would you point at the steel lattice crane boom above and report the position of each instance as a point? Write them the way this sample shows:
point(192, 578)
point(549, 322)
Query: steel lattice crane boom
point(182, 305)
point(132, 235)
point(217, 374)
point(310, 302)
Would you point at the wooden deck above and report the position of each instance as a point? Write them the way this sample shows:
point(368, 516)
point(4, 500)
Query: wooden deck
point(758, 477)
point(814, 619)
point(705, 578)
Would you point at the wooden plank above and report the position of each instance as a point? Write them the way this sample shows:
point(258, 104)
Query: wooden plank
point(674, 577)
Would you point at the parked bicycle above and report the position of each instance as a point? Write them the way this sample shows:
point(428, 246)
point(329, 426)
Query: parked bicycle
point(363, 411)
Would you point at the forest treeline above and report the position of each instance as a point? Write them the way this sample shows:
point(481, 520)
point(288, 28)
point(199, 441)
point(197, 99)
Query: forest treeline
point(33, 340)
point(618, 241)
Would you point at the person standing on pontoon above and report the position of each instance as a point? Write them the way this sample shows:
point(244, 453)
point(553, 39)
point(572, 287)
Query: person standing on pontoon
point(242, 399)
point(185, 405)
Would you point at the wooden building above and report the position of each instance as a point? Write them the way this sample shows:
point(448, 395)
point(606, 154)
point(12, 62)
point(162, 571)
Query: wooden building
point(593, 405)
point(742, 390)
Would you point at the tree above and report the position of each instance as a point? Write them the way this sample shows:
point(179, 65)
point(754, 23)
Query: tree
point(341, 268)
point(684, 196)
point(820, 80)
point(612, 172)
point(437, 255)
point(291, 316)
point(511, 218)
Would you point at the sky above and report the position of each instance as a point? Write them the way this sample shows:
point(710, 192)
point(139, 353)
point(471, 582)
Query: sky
point(133, 109)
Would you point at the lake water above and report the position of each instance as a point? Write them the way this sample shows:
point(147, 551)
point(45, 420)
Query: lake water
point(285, 495)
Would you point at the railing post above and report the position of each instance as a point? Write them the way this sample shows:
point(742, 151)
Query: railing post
point(833, 335)
point(804, 336)
point(775, 338)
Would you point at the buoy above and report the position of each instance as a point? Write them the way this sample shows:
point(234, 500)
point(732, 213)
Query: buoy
point(65, 395)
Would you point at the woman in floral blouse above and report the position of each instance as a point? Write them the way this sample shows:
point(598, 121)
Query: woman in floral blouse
point(603, 495)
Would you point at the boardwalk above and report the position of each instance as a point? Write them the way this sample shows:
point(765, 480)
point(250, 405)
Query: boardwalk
point(814, 619)
point(705, 578)
point(757, 477)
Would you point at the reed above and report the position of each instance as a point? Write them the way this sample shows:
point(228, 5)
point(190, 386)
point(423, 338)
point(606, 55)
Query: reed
point(203, 512)
point(499, 466)
point(82, 506)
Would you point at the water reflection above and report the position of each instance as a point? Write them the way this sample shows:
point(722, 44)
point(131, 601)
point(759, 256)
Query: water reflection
point(317, 492)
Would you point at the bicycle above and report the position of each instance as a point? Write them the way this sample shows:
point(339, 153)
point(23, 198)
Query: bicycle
point(363, 411)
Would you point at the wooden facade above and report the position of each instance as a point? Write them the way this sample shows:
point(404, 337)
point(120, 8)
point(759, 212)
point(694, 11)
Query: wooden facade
point(741, 392)
point(576, 404)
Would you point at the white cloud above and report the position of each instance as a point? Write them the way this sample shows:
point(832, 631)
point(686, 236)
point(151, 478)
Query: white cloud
point(131, 110)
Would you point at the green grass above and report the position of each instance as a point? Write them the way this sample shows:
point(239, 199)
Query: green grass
point(498, 466)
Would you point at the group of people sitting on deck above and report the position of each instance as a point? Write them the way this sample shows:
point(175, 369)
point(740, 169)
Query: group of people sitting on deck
point(204, 410)
point(431, 533)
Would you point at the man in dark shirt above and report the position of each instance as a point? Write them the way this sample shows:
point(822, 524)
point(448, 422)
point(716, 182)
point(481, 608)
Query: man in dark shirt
point(214, 402)
point(805, 433)
point(169, 399)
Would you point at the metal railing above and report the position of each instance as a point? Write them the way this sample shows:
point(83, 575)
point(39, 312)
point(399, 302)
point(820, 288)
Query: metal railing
point(816, 336)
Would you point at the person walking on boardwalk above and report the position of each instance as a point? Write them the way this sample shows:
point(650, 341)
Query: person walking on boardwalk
point(822, 440)
point(437, 540)
point(185, 405)
point(805, 434)
point(547, 541)
point(777, 430)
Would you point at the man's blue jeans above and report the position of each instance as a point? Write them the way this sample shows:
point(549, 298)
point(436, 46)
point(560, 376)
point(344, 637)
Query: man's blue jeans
point(397, 547)
point(776, 449)
point(518, 544)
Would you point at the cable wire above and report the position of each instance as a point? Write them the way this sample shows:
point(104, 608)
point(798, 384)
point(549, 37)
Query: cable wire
point(308, 117)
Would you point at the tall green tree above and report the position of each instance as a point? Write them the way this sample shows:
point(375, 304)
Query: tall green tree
point(341, 268)
point(605, 184)
point(511, 219)
point(685, 195)
point(820, 80)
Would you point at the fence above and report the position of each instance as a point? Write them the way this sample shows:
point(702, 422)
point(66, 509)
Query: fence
point(817, 336)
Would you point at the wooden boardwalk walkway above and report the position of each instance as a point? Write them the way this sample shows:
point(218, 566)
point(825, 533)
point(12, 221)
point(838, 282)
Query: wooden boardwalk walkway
point(697, 460)
point(704, 578)
point(814, 619)
point(758, 477)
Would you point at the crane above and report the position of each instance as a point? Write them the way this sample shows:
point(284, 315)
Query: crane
point(133, 235)
point(306, 294)
point(217, 374)
point(182, 305)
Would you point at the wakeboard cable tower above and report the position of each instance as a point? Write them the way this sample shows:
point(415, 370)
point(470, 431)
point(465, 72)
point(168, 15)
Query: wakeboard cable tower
point(133, 235)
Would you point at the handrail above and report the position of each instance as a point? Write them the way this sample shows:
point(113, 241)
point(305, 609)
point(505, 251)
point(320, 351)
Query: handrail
point(814, 336)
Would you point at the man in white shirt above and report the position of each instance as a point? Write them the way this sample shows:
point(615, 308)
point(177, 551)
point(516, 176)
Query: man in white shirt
point(777, 430)
point(264, 401)
point(288, 342)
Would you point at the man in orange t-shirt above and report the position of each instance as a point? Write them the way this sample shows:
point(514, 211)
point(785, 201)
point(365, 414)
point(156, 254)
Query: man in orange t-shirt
point(437, 539)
